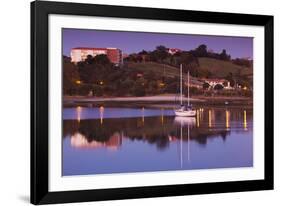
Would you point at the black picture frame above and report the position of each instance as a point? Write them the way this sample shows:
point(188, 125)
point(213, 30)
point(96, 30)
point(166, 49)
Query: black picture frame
point(39, 102)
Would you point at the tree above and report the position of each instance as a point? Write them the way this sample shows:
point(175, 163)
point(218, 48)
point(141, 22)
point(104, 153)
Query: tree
point(152, 87)
point(190, 63)
point(206, 85)
point(218, 87)
point(66, 59)
point(101, 59)
point(243, 62)
point(97, 90)
point(159, 54)
point(205, 73)
point(171, 87)
point(224, 55)
point(131, 58)
point(161, 48)
point(192, 90)
point(70, 78)
point(139, 90)
point(86, 72)
point(85, 89)
point(95, 69)
point(143, 52)
point(89, 59)
point(150, 75)
point(125, 86)
point(139, 58)
point(201, 51)
point(230, 78)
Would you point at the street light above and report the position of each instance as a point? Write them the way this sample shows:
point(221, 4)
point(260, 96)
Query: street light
point(78, 82)
point(162, 84)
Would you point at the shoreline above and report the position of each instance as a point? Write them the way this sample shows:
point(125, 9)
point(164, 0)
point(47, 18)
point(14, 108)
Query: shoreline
point(165, 99)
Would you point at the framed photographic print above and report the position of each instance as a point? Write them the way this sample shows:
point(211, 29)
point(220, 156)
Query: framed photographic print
point(133, 102)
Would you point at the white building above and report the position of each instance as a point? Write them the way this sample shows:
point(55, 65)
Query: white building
point(172, 51)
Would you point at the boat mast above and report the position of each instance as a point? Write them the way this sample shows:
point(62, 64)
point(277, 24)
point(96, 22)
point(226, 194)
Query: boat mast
point(181, 83)
point(188, 88)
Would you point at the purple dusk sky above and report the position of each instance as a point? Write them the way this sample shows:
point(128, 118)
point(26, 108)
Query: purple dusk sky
point(130, 42)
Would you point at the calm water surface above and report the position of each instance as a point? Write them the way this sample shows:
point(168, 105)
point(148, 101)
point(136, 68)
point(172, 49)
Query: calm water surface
point(101, 140)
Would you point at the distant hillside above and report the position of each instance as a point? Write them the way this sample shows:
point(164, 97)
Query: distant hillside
point(161, 70)
point(221, 68)
point(158, 68)
point(218, 68)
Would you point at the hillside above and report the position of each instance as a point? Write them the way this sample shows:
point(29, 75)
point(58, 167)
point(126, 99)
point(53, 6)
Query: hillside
point(218, 68)
point(157, 68)
point(221, 68)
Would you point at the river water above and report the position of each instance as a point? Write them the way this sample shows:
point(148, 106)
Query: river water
point(104, 140)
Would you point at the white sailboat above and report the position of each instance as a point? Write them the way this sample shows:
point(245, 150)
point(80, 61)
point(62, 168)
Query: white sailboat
point(185, 110)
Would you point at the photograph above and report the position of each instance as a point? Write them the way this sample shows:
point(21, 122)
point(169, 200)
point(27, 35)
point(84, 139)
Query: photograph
point(133, 102)
point(155, 102)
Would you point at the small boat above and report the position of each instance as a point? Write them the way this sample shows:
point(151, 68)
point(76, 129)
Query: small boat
point(185, 110)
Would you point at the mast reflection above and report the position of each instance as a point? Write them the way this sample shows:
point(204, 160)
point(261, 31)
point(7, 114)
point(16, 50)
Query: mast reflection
point(184, 122)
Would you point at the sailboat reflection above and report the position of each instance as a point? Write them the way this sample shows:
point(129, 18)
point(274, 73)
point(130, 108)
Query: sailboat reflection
point(184, 122)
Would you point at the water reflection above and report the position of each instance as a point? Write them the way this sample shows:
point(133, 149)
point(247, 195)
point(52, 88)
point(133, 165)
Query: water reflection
point(101, 114)
point(78, 111)
point(152, 139)
point(184, 122)
point(79, 140)
point(155, 130)
point(142, 118)
point(210, 118)
point(162, 116)
point(227, 119)
point(245, 120)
